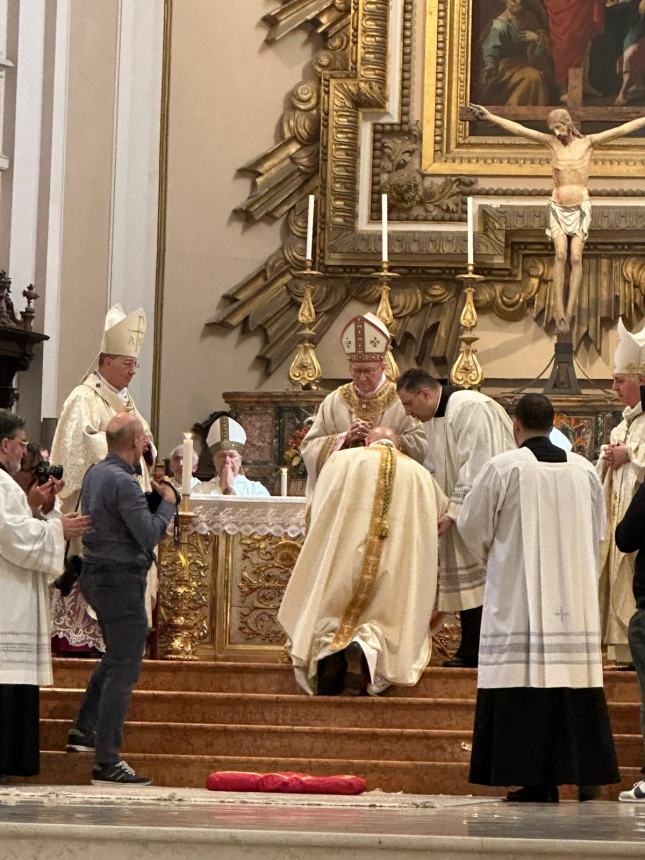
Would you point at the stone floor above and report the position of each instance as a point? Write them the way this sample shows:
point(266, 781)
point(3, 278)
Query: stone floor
point(61, 823)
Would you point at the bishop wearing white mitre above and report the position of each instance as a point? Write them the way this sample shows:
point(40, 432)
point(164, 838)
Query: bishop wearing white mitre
point(622, 468)
point(79, 442)
point(226, 440)
point(347, 415)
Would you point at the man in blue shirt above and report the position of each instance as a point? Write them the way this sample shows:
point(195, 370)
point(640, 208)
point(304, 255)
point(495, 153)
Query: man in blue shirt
point(127, 526)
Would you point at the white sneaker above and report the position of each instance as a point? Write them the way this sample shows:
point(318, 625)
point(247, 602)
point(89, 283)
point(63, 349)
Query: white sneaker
point(635, 794)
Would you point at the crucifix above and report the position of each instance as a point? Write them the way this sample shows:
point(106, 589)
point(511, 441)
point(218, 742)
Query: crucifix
point(569, 210)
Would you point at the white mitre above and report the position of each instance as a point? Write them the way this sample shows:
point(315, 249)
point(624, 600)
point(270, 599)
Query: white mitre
point(226, 434)
point(629, 357)
point(122, 335)
point(365, 338)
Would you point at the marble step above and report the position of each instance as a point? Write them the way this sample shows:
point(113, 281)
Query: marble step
point(433, 745)
point(277, 710)
point(300, 710)
point(216, 677)
point(59, 768)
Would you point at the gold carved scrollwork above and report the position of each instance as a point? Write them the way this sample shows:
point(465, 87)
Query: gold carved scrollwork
point(184, 595)
point(267, 565)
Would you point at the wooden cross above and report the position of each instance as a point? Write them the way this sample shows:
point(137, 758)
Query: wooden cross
point(574, 104)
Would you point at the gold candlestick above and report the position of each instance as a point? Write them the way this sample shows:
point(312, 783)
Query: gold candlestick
point(384, 313)
point(467, 371)
point(305, 368)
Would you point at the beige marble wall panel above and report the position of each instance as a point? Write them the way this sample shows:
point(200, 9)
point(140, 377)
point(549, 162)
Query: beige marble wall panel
point(88, 185)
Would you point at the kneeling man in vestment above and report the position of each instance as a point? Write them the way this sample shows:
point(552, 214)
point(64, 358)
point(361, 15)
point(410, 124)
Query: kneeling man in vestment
point(358, 605)
point(536, 515)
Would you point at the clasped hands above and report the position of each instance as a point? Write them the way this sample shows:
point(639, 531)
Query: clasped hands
point(359, 431)
point(616, 455)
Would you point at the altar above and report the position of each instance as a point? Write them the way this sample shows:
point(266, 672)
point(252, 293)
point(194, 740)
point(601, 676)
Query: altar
point(221, 584)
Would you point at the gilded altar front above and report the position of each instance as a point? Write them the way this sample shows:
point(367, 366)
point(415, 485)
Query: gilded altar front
point(221, 583)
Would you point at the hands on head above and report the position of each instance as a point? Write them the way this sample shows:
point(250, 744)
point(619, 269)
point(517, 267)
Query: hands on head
point(359, 431)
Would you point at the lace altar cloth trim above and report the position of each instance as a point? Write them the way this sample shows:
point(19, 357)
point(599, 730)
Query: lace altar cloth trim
point(275, 516)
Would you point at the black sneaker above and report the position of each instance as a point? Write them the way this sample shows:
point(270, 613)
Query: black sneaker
point(121, 772)
point(80, 741)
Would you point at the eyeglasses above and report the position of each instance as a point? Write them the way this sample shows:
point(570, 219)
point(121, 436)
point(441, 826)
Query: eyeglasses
point(23, 442)
point(127, 363)
point(368, 371)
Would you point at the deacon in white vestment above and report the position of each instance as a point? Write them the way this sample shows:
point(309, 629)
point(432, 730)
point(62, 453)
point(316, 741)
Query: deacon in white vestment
point(79, 442)
point(358, 604)
point(31, 555)
point(226, 440)
point(464, 429)
point(622, 469)
point(346, 415)
point(535, 516)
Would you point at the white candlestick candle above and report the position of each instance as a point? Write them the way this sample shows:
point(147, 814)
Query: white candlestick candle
point(187, 465)
point(310, 229)
point(384, 249)
point(283, 481)
point(471, 232)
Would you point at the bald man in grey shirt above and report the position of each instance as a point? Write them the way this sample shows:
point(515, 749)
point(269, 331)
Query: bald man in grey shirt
point(127, 526)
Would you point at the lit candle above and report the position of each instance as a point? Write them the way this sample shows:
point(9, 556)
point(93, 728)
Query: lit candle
point(471, 232)
point(310, 229)
point(187, 465)
point(283, 481)
point(384, 255)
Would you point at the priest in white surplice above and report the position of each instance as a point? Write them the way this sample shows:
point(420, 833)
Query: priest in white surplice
point(31, 554)
point(464, 429)
point(622, 468)
point(346, 416)
point(358, 605)
point(536, 517)
point(79, 442)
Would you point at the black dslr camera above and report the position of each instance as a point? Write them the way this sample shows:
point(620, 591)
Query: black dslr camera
point(44, 471)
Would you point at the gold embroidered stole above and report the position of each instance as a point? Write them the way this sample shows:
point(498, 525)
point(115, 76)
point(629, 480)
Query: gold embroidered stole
point(378, 531)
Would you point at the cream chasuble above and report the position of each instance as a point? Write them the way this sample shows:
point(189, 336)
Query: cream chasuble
point(620, 485)
point(538, 527)
point(335, 417)
point(79, 442)
point(31, 555)
point(474, 429)
point(367, 571)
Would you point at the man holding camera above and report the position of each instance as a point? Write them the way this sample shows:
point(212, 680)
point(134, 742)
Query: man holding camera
point(118, 552)
point(80, 442)
point(31, 554)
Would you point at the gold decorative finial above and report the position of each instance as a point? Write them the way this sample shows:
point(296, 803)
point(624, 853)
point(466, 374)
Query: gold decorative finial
point(384, 313)
point(467, 371)
point(305, 368)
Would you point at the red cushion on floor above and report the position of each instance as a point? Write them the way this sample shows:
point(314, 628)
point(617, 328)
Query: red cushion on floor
point(288, 783)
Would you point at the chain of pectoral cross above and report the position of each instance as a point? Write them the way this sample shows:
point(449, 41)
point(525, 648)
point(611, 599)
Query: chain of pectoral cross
point(574, 104)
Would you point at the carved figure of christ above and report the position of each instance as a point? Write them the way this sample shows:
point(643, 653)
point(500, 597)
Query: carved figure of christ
point(569, 209)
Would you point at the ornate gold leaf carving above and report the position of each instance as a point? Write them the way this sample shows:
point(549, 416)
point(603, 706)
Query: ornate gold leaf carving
point(268, 562)
point(184, 594)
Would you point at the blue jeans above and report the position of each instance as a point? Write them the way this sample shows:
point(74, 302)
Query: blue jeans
point(636, 637)
point(117, 594)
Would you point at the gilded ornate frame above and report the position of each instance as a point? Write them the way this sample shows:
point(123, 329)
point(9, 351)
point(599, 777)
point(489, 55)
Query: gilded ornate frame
point(448, 146)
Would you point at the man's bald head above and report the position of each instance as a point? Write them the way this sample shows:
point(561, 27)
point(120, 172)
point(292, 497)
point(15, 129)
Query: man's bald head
point(125, 436)
point(377, 434)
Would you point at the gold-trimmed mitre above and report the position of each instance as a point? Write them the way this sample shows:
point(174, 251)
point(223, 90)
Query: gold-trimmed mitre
point(226, 434)
point(123, 333)
point(629, 357)
point(365, 338)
